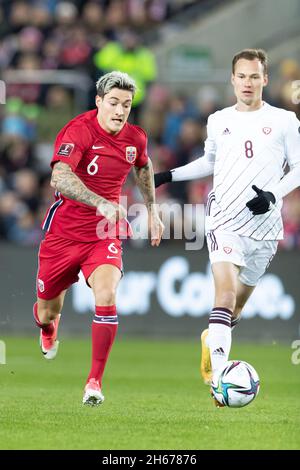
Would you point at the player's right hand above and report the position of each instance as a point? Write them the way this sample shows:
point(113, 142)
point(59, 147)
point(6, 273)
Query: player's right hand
point(111, 211)
point(162, 178)
point(156, 226)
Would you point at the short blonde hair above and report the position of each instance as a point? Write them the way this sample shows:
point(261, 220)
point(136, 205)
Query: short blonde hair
point(115, 79)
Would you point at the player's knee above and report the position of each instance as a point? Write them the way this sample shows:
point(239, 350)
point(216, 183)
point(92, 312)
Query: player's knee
point(226, 299)
point(105, 295)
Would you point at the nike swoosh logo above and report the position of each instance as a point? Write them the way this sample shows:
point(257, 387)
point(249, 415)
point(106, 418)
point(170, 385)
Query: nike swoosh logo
point(112, 257)
point(100, 147)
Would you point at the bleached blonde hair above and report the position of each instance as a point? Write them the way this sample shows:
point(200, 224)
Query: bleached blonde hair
point(115, 79)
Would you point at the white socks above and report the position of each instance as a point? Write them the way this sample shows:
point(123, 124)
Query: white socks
point(219, 337)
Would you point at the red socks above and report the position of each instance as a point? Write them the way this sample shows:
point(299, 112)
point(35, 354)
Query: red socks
point(47, 329)
point(104, 329)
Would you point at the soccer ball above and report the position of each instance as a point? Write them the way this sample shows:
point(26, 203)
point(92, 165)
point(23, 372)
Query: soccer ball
point(236, 385)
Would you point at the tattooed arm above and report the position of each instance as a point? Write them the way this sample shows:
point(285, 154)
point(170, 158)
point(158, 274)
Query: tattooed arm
point(145, 181)
point(64, 180)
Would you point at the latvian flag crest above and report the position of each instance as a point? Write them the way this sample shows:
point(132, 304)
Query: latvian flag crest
point(131, 154)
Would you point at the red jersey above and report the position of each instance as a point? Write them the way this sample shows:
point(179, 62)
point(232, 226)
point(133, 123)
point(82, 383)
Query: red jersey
point(102, 161)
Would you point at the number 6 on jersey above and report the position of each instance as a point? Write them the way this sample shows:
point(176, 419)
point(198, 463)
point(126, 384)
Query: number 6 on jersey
point(92, 167)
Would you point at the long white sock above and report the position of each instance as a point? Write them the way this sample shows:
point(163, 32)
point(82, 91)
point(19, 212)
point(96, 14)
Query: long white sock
point(219, 336)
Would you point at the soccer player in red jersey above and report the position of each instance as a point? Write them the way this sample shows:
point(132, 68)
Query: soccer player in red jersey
point(93, 155)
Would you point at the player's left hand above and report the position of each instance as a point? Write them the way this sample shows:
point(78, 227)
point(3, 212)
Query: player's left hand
point(260, 204)
point(156, 227)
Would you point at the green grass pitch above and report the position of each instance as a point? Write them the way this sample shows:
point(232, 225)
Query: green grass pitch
point(154, 399)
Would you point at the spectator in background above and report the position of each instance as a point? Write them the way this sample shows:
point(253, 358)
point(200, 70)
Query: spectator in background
point(76, 51)
point(41, 14)
point(190, 145)
point(128, 55)
point(26, 186)
point(18, 223)
point(13, 123)
point(115, 15)
point(28, 92)
point(30, 40)
point(137, 13)
point(4, 27)
point(10, 209)
point(16, 153)
point(207, 101)
point(290, 72)
point(66, 14)
point(58, 109)
point(179, 110)
point(19, 16)
point(20, 119)
point(190, 142)
point(15, 147)
point(93, 18)
point(291, 214)
point(50, 54)
point(282, 90)
point(152, 116)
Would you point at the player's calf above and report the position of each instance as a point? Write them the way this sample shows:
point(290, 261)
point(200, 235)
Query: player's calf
point(48, 335)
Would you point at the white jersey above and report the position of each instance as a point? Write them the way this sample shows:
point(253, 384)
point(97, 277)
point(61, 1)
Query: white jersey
point(249, 148)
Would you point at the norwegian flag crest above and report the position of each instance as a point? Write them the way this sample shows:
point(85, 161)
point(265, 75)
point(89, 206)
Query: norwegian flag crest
point(131, 154)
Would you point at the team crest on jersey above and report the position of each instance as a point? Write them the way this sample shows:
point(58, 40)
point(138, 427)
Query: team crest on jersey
point(65, 149)
point(267, 130)
point(41, 285)
point(131, 154)
point(227, 249)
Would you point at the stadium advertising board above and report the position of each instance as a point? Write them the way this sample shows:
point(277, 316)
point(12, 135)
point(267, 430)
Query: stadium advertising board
point(164, 292)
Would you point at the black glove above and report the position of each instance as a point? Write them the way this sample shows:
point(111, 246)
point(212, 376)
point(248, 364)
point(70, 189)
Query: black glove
point(162, 178)
point(260, 204)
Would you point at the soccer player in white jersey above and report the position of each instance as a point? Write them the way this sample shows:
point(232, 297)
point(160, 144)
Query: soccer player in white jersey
point(247, 149)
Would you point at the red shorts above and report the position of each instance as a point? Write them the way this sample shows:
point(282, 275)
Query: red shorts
point(60, 261)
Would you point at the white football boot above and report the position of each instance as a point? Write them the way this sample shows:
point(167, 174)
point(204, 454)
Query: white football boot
point(92, 393)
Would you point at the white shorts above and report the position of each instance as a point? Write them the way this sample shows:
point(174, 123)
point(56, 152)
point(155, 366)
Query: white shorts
point(254, 256)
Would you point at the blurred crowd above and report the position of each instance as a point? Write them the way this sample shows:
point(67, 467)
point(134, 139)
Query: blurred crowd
point(93, 37)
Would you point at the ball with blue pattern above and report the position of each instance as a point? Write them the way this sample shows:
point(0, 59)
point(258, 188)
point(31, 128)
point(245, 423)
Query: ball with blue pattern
point(236, 385)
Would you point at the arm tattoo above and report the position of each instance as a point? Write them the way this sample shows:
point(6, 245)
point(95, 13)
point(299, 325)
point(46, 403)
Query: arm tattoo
point(145, 182)
point(64, 180)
